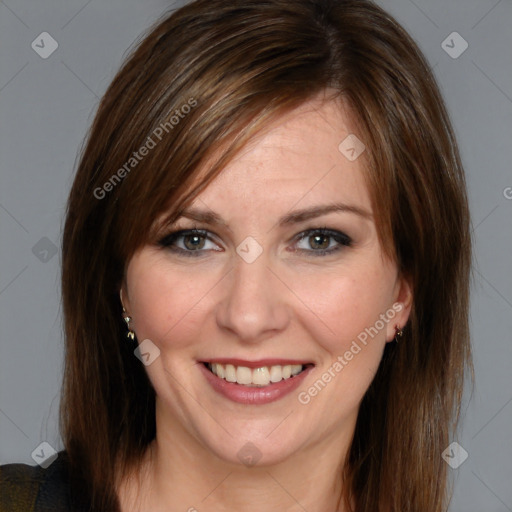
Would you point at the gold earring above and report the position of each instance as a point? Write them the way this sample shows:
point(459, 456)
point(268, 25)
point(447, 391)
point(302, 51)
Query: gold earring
point(127, 318)
point(399, 332)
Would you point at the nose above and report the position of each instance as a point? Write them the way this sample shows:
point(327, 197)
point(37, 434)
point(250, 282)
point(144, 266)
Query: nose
point(254, 305)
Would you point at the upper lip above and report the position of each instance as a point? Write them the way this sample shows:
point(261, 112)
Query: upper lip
point(256, 364)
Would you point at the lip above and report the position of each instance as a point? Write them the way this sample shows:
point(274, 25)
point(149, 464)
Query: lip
point(254, 395)
point(257, 364)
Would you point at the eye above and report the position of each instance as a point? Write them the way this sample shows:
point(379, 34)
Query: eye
point(189, 242)
point(322, 241)
point(195, 242)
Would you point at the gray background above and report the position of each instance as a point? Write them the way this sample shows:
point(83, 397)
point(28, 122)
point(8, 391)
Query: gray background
point(46, 107)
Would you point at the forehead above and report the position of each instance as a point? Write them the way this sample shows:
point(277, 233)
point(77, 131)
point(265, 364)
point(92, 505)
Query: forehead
point(296, 160)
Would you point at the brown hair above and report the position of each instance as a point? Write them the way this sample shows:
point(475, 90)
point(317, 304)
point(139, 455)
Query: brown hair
point(237, 65)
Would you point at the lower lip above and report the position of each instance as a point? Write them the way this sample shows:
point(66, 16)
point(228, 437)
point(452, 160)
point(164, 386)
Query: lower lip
point(254, 395)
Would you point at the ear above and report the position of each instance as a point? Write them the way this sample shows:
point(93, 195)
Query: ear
point(402, 305)
point(123, 297)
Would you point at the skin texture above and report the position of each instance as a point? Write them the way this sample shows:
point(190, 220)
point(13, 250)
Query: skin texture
point(286, 304)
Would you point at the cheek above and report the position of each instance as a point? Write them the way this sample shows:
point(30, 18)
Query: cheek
point(351, 338)
point(345, 308)
point(163, 302)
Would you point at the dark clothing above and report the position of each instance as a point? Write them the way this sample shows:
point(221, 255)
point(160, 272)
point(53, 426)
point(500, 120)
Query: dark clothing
point(25, 488)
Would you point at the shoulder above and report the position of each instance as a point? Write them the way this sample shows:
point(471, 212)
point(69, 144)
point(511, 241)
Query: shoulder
point(25, 488)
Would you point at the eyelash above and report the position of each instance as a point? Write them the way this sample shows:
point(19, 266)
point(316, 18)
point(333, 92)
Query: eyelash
point(342, 239)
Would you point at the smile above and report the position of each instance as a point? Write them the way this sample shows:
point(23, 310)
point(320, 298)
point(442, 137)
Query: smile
point(255, 377)
point(255, 382)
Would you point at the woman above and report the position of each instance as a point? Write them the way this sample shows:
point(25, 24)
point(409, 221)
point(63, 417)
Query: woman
point(265, 271)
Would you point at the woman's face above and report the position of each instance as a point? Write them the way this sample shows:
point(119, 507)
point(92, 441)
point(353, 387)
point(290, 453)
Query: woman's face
point(285, 275)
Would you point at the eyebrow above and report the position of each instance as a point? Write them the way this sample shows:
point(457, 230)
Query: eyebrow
point(294, 217)
point(317, 211)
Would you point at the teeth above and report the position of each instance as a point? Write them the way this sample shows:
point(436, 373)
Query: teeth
point(230, 372)
point(254, 377)
point(220, 371)
point(261, 376)
point(243, 375)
